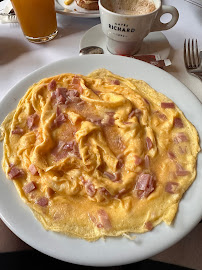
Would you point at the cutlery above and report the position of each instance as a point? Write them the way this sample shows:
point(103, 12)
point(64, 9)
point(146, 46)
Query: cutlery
point(194, 3)
point(192, 58)
point(7, 15)
point(8, 18)
point(91, 50)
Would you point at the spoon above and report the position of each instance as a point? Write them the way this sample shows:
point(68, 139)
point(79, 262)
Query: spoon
point(91, 50)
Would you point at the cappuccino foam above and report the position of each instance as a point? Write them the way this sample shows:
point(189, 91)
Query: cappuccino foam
point(131, 7)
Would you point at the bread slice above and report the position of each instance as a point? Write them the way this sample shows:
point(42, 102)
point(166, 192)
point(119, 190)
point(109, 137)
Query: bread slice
point(88, 4)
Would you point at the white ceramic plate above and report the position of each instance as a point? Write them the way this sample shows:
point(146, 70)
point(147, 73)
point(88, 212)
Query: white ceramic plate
point(155, 43)
point(113, 251)
point(74, 10)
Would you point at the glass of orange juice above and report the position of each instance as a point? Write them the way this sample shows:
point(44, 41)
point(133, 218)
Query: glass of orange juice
point(37, 19)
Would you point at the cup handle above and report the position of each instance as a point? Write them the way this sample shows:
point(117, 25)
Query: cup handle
point(158, 25)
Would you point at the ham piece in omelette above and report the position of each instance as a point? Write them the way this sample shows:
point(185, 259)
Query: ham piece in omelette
point(99, 155)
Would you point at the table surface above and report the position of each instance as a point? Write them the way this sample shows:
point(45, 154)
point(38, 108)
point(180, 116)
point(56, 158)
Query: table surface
point(18, 58)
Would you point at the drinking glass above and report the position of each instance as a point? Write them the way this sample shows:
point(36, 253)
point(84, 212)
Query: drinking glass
point(37, 19)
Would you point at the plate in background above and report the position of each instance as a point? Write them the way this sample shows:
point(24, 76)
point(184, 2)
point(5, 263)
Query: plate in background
point(74, 10)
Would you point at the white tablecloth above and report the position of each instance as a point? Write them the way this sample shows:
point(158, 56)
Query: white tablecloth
point(18, 58)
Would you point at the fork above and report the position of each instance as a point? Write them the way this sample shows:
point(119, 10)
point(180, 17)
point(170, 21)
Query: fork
point(192, 58)
point(194, 3)
point(8, 18)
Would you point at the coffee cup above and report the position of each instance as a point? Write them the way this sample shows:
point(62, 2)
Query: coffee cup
point(127, 22)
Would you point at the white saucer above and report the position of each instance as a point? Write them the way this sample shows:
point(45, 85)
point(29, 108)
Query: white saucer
point(155, 43)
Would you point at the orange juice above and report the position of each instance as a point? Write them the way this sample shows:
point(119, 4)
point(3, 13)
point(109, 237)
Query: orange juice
point(37, 18)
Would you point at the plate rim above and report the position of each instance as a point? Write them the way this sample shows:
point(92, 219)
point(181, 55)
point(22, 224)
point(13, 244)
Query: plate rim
point(38, 73)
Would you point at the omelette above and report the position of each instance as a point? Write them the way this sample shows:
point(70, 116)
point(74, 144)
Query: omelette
point(99, 155)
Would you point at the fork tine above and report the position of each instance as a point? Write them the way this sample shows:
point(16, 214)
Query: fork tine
point(197, 54)
point(193, 54)
point(185, 53)
point(189, 55)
